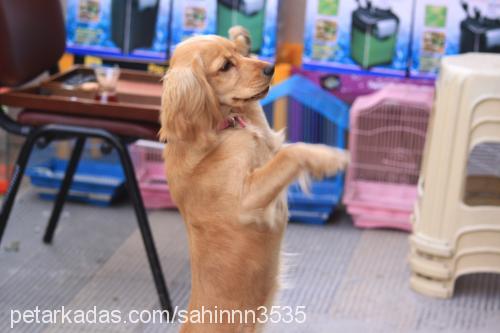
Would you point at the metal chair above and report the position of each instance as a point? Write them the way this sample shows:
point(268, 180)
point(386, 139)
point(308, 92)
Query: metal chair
point(32, 39)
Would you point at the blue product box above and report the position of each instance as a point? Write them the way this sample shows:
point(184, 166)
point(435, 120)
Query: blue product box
point(90, 27)
point(270, 37)
point(192, 18)
point(448, 27)
point(204, 17)
point(149, 30)
point(352, 36)
point(134, 29)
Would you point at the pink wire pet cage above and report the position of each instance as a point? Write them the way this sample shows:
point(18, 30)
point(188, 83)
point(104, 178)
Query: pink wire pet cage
point(387, 137)
point(150, 173)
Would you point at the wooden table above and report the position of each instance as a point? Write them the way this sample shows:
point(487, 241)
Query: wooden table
point(73, 93)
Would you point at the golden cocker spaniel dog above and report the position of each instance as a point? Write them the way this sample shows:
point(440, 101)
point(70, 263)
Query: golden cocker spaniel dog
point(228, 172)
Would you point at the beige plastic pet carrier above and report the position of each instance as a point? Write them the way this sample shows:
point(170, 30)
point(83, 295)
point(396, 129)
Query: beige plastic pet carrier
point(456, 221)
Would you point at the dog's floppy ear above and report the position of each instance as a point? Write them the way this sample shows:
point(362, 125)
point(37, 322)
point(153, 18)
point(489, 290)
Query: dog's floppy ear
point(189, 110)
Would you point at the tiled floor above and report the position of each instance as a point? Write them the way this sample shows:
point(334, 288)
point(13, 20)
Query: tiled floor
point(349, 280)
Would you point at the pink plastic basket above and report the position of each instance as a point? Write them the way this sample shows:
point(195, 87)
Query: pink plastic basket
point(386, 142)
point(150, 173)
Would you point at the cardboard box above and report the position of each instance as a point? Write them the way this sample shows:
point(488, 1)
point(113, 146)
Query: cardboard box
point(369, 36)
point(203, 17)
point(191, 18)
point(136, 29)
point(444, 27)
point(89, 26)
point(149, 29)
point(259, 17)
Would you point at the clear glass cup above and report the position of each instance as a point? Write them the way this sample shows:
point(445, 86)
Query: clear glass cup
point(107, 77)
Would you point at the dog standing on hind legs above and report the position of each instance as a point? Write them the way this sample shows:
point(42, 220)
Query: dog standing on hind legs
point(228, 172)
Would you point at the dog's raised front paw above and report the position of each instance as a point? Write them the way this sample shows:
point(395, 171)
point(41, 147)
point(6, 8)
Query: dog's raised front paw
point(324, 161)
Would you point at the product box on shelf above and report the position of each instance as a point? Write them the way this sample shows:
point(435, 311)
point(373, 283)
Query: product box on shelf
point(203, 17)
point(259, 17)
point(149, 28)
point(136, 29)
point(191, 18)
point(92, 24)
point(447, 27)
point(358, 35)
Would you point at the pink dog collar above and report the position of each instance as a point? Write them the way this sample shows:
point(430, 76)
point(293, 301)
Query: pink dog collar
point(232, 122)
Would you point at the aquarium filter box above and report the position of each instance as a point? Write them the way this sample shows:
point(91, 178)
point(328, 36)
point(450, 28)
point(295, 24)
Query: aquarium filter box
point(448, 27)
point(119, 28)
point(247, 13)
point(149, 28)
point(480, 32)
point(192, 18)
point(141, 29)
point(89, 27)
point(203, 17)
point(259, 17)
point(358, 35)
point(373, 35)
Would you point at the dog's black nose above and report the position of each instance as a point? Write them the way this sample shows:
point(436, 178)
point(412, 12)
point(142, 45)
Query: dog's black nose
point(269, 70)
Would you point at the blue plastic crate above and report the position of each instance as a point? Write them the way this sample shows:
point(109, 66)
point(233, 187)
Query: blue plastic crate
point(314, 116)
point(94, 182)
point(317, 206)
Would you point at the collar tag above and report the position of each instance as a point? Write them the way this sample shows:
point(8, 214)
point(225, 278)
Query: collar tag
point(232, 122)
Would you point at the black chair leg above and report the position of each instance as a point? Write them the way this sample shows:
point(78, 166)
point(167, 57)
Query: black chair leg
point(147, 237)
point(64, 189)
point(132, 187)
point(17, 176)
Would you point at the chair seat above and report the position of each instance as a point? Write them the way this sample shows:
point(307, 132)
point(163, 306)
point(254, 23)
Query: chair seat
point(121, 128)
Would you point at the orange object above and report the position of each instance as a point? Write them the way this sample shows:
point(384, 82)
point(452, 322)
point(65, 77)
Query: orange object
point(281, 72)
point(66, 62)
point(290, 53)
point(3, 186)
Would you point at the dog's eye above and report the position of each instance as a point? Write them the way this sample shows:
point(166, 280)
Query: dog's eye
point(227, 66)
